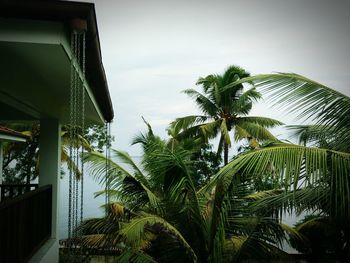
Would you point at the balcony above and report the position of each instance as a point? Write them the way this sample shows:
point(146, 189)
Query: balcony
point(25, 224)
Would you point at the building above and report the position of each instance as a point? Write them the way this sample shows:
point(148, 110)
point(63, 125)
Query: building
point(35, 68)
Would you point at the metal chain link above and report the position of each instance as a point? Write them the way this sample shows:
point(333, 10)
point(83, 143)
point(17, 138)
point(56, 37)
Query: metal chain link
point(76, 122)
point(107, 181)
point(78, 119)
point(83, 129)
point(75, 136)
point(71, 119)
point(109, 157)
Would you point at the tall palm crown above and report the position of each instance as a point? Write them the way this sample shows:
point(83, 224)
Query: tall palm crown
point(225, 107)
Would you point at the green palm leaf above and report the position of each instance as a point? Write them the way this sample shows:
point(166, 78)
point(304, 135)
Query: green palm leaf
point(253, 130)
point(310, 98)
point(210, 130)
point(292, 163)
point(97, 165)
point(134, 232)
point(135, 256)
point(244, 103)
point(323, 136)
point(262, 121)
point(224, 132)
point(124, 157)
point(186, 122)
point(204, 103)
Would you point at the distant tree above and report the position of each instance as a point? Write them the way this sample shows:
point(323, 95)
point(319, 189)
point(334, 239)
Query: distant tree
point(322, 237)
point(21, 159)
point(97, 136)
point(206, 163)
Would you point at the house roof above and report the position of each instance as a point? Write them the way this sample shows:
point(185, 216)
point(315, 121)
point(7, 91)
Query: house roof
point(9, 134)
point(64, 11)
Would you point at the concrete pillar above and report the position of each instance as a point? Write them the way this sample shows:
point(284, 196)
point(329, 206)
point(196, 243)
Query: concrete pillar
point(49, 171)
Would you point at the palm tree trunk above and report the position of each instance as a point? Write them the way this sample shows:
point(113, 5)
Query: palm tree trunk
point(225, 153)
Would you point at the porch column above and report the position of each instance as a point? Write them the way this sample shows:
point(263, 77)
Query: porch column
point(50, 164)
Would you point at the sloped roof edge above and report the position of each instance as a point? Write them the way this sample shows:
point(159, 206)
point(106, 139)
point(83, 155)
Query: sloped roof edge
point(65, 11)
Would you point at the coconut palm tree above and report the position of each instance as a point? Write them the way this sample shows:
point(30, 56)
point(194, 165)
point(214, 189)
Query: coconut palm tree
point(303, 165)
point(225, 107)
point(315, 173)
point(158, 214)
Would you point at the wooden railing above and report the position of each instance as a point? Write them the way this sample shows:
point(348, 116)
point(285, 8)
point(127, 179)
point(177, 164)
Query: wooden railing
point(9, 191)
point(25, 224)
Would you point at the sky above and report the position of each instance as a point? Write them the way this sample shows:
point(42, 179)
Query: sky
point(152, 50)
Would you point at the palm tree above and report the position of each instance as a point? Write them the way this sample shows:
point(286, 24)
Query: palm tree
point(315, 174)
point(225, 107)
point(168, 218)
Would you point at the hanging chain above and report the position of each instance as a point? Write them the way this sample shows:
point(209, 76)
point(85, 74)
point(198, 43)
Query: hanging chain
point(107, 181)
point(83, 129)
point(75, 110)
point(76, 136)
point(70, 127)
point(78, 130)
point(109, 158)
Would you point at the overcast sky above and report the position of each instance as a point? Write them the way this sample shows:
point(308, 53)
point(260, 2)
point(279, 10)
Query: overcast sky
point(152, 50)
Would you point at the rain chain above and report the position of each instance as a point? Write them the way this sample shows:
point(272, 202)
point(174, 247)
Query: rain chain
point(76, 130)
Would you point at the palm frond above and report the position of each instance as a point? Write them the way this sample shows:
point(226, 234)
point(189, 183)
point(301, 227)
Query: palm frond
point(292, 163)
point(322, 136)
point(252, 130)
point(204, 103)
point(124, 157)
point(139, 195)
point(71, 165)
point(224, 132)
point(243, 104)
point(262, 121)
point(257, 238)
point(310, 98)
point(98, 165)
point(305, 199)
point(135, 231)
point(136, 256)
point(210, 129)
point(187, 122)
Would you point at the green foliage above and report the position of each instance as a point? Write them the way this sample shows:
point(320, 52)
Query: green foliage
point(206, 164)
point(322, 236)
point(97, 137)
point(316, 176)
point(225, 105)
point(169, 217)
point(21, 160)
point(135, 256)
point(234, 216)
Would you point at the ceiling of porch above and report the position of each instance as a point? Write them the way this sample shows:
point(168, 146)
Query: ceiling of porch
point(35, 83)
